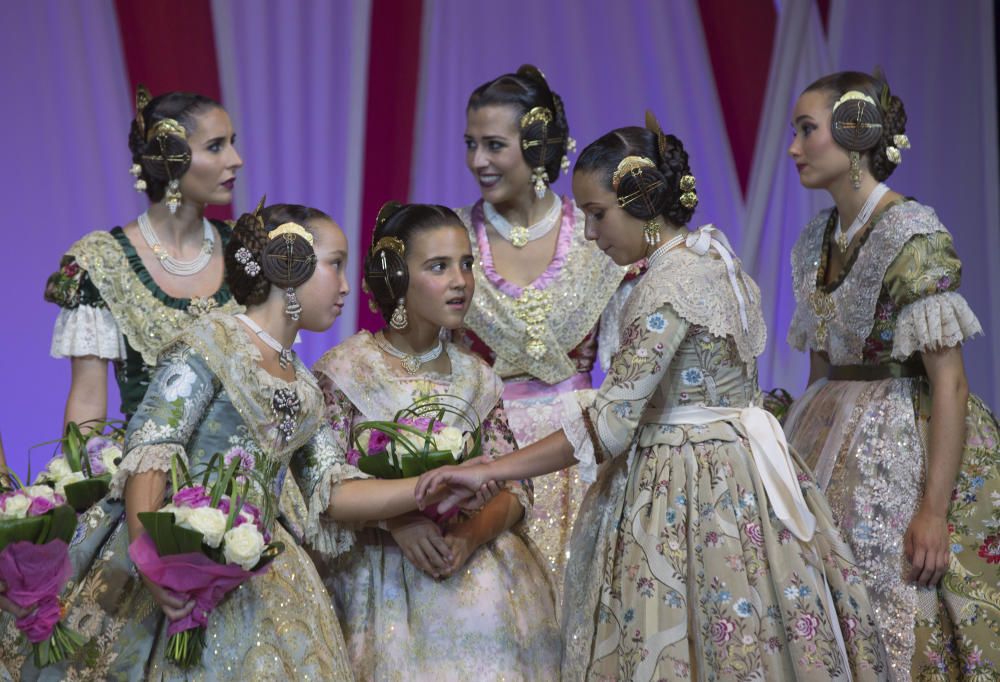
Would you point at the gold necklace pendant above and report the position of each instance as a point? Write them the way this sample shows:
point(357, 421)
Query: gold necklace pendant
point(519, 236)
point(842, 242)
point(532, 308)
point(410, 363)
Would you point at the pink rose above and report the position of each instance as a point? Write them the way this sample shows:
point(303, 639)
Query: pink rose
point(848, 626)
point(354, 456)
point(722, 630)
point(40, 506)
point(806, 625)
point(378, 442)
point(755, 534)
point(193, 497)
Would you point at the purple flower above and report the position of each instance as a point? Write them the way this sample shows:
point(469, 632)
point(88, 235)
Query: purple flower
point(193, 497)
point(247, 460)
point(754, 532)
point(40, 506)
point(354, 456)
point(378, 442)
point(97, 445)
point(722, 630)
point(806, 625)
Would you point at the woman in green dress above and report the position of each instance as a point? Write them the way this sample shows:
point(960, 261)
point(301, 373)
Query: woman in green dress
point(907, 458)
point(123, 293)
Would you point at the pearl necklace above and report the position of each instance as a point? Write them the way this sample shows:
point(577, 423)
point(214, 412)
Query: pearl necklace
point(844, 239)
point(662, 250)
point(518, 235)
point(171, 264)
point(411, 363)
point(284, 354)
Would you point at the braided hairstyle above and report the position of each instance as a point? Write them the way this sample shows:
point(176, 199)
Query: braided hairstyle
point(661, 186)
point(525, 90)
point(148, 153)
point(386, 275)
point(890, 107)
point(250, 233)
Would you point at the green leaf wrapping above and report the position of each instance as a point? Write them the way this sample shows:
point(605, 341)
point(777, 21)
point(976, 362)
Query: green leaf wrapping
point(82, 495)
point(168, 537)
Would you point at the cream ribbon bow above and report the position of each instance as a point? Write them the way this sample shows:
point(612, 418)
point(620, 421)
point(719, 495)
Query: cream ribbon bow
point(708, 238)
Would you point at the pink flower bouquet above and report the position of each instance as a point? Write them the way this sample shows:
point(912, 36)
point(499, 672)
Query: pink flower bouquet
point(36, 527)
point(82, 469)
point(417, 440)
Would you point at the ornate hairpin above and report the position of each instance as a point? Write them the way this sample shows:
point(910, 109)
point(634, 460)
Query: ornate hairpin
point(394, 244)
point(244, 257)
point(142, 99)
point(630, 164)
point(290, 229)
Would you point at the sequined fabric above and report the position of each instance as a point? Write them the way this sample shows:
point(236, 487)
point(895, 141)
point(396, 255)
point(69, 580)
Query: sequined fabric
point(579, 283)
point(867, 441)
point(205, 398)
point(495, 618)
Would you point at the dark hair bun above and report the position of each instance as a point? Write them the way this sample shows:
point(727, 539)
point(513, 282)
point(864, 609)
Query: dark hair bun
point(286, 261)
point(856, 125)
point(165, 157)
point(387, 276)
point(545, 140)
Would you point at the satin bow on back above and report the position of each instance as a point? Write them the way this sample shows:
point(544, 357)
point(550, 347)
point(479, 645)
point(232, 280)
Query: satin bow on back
point(707, 238)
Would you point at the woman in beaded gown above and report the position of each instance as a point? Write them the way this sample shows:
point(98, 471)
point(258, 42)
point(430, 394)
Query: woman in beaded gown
point(907, 458)
point(541, 289)
point(470, 599)
point(702, 551)
point(124, 293)
point(228, 384)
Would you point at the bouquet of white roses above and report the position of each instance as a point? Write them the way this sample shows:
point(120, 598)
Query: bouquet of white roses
point(82, 469)
point(204, 543)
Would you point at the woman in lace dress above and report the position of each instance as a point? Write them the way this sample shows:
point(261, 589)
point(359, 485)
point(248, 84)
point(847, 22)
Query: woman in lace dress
point(123, 293)
point(702, 551)
point(541, 287)
point(912, 479)
point(470, 600)
point(228, 384)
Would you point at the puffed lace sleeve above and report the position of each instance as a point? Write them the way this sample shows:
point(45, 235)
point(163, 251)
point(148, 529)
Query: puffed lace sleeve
point(322, 464)
point(84, 325)
point(923, 283)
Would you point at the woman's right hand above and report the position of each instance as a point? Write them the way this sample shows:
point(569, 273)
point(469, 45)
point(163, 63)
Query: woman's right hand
point(9, 606)
point(463, 482)
point(173, 605)
point(422, 543)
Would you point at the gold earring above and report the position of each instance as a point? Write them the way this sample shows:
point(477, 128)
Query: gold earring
point(855, 169)
point(651, 231)
point(398, 319)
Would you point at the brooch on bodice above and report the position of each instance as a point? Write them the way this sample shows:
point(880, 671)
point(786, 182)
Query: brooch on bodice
point(825, 310)
point(200, 306)
point(285, 404)
point(533, 307)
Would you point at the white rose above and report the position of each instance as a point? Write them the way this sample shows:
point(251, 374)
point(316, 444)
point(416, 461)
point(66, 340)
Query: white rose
point(363, 440)
point(108, 457)
point(56, 470)
point(71, 477)
point(15, 507)
point(451, 439)
point(243, 546)
point(211, 523)
point(42, 491)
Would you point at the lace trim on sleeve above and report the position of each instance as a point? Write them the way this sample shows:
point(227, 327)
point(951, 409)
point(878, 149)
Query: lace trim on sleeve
point(932, 323)
point(143, 458)
point(574, 425)
point(87, 330)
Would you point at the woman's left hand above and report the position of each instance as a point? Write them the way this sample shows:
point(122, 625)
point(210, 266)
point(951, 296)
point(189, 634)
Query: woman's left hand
point(927, 544)
point(462, 542)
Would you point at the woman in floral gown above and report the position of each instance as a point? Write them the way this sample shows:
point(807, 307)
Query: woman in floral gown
point(471, 599)
point(907, 458)
point(702, 551)
point(220, 387)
